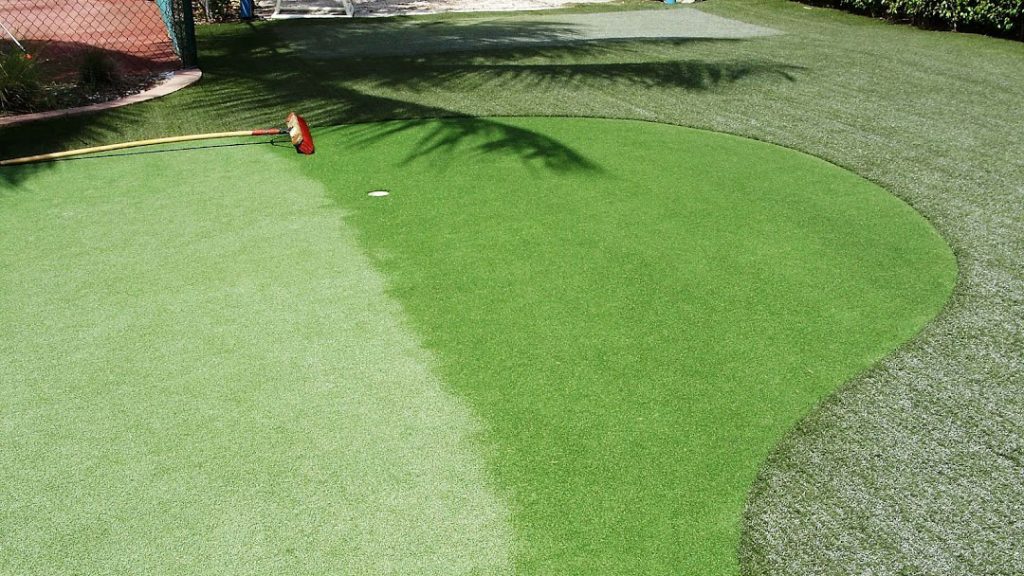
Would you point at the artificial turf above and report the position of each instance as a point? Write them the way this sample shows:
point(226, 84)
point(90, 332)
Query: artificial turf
point(636, 325)
point(210, 377)
point(203, 375)
point(915, 465)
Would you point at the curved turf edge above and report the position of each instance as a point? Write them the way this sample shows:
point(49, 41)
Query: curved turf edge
point(638, 311)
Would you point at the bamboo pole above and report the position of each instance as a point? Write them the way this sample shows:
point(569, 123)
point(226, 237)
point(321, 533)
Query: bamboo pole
point(109, 147)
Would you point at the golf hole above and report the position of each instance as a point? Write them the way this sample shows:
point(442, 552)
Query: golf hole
point(379, 193)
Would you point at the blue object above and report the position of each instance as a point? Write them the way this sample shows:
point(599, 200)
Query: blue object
point(666, 1)
point(245, 9)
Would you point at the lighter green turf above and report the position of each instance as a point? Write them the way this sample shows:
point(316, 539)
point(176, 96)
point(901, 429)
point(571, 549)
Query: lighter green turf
point(561, 363)
point(202, 375)
point(362, 38)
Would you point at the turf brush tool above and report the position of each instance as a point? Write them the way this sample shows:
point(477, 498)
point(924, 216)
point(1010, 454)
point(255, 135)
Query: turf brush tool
point(295, 128)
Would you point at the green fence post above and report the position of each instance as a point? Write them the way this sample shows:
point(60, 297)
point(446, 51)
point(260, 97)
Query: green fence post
point(181, 28)
point(189, 54)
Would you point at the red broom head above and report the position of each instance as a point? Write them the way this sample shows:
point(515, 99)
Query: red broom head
point(298, 130)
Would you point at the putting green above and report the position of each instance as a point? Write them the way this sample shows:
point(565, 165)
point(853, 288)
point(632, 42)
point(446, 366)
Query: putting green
point(557, 347)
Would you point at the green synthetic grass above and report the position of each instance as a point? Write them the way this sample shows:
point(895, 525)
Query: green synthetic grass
point(912, 467)
point(202, 375)
point(467, 34)
point(209, 370)
point(639, 327)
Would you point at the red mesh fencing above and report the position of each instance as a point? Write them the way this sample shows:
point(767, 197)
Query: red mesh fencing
point(60, 32)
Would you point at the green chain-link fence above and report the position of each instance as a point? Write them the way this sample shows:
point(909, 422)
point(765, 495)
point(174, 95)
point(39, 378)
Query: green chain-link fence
point(142, 35)
point(177, 15)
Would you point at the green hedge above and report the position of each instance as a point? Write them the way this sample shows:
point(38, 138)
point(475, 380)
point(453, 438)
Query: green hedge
point(996, 17)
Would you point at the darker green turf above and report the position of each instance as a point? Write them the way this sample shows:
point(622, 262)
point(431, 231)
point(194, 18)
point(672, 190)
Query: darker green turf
point(639, 323)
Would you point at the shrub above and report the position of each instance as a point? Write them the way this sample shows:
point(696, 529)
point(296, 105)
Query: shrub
point(995, 17)
point(217, 10)
point(98, 70)
point(21, 87)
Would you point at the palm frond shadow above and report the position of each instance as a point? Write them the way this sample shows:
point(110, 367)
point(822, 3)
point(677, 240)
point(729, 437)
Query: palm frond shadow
point(253, 77)
point(483, 136)
point(348, 40)
point(332, 90)
point(279, 75)
point(692, 75)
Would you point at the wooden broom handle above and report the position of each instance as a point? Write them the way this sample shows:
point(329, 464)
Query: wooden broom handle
point(136, 143)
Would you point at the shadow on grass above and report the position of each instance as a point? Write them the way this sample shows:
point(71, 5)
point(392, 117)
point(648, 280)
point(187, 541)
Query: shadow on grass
point(408, 37)
point(335, 91)
point(58, 134)
point(684, 75)
point(252, 78)
point(495, 137)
